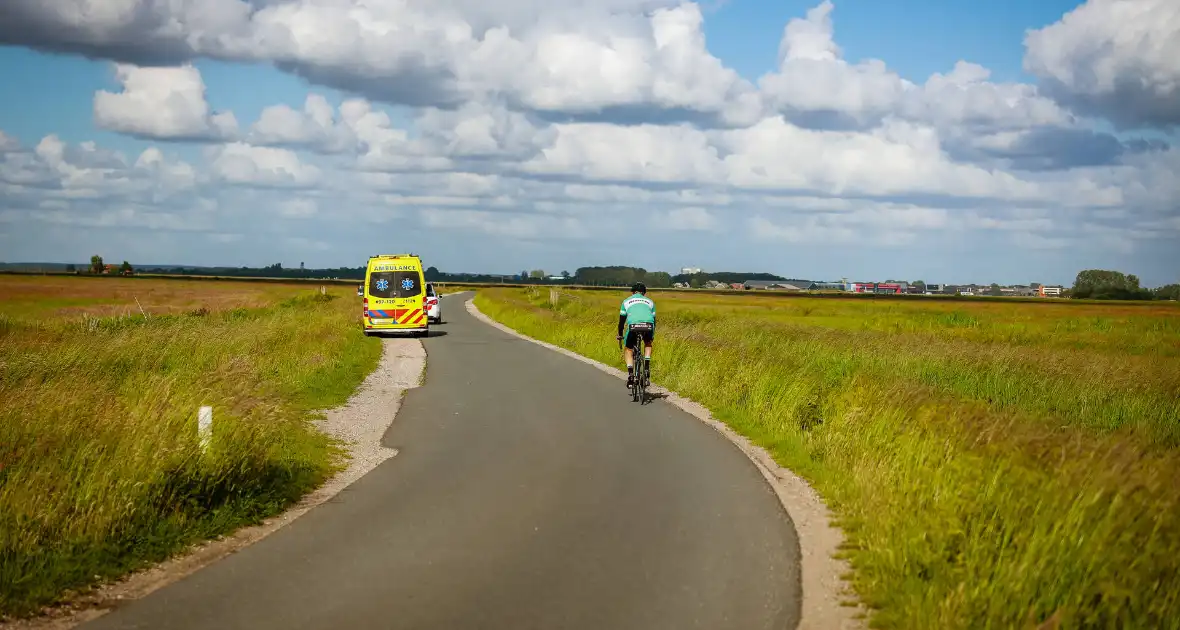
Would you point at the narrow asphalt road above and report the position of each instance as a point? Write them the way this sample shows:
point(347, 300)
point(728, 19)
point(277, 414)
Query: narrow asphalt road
point(529, 492)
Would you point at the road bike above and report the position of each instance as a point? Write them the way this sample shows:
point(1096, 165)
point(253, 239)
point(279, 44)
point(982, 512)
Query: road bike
point(642, 377)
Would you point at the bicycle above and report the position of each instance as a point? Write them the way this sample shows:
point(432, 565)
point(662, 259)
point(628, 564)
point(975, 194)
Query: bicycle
point(642, 378)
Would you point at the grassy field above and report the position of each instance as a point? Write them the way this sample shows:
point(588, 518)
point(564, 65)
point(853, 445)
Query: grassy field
point(100, 466)
point(993, 465)
point(56, 297)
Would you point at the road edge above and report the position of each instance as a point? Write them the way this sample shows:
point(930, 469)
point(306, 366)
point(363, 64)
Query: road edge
point(402, 366)
point(828, 600)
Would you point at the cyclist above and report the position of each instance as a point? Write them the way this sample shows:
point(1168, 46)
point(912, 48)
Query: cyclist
point(637, 309)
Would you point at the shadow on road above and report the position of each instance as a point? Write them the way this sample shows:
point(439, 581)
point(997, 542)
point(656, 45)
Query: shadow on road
point(396, 335)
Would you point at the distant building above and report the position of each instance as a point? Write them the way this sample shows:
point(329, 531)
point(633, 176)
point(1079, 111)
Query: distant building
point(826, 286)
point(877, 287)
point(690, 271)
point(1050, 291)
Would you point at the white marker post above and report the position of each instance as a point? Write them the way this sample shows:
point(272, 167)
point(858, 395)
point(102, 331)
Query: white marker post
point(205, 427)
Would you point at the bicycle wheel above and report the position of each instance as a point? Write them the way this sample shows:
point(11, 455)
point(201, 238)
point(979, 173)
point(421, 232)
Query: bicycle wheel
point(640, 387)
point(646, 382)
point(643, 383)
point(637, 379)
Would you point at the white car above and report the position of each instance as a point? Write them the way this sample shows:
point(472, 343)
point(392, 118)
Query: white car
point(433, 304)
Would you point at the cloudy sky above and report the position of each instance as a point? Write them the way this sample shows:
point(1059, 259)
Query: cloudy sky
point(1005, 141)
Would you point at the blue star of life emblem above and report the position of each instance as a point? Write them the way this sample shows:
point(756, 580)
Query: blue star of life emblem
point(382, 285)
point(407, 284)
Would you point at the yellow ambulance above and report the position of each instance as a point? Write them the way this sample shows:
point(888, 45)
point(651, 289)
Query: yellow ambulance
point(395, 295)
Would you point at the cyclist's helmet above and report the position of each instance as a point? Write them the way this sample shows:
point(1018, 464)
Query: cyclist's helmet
point(639, 287)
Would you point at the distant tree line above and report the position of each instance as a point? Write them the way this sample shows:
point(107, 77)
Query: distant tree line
point(1102, 284)
point(625, 276)
point(1096, 284)
point(698, 280)
point(99, 267)
point(536, 276)
point(619, 276)
point(1168, 292)
point(270, 271)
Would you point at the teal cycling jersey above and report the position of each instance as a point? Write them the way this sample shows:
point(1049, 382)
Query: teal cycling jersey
point(638, 308)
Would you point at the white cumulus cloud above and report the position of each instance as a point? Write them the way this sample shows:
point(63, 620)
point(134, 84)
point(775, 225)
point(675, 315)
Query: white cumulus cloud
point(316, 127)
point(163, 103)
point(8, 144)
point(248, 165)
point(1114, 58)
point(692, 218)
point(816, 86)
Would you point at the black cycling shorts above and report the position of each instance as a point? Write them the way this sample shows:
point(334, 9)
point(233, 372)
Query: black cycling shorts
point(646, 334)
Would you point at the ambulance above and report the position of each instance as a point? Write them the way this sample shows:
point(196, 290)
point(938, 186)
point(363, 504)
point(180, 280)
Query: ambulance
point(395, 295)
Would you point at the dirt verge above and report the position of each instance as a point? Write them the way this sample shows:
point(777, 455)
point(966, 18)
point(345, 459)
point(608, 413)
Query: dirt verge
point(360, 424)
point(828, 601)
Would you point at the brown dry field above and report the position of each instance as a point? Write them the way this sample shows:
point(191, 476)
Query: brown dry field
point(46, 297)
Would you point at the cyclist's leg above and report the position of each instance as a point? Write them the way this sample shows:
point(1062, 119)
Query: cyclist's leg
point(648, 339)
point(629, 354)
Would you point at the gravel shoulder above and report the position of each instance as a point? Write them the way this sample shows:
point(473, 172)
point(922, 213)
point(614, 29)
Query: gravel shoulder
point(359, 424)
point(828, 601)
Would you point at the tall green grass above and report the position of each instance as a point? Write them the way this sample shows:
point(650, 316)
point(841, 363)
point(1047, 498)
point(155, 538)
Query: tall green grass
point(100, 465)
point(983, 480)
